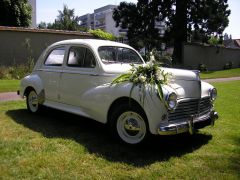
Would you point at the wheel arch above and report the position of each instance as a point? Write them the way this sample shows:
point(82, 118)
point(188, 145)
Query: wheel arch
point(122, 100)
point(27, 90)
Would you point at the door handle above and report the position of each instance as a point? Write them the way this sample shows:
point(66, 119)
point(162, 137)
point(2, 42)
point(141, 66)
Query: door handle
point(94, 75)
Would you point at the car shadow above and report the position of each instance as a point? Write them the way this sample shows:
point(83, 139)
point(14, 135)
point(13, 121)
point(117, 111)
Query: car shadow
point(95, 138)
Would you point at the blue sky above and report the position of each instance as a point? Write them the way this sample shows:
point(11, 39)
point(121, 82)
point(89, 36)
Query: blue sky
point(47, 10)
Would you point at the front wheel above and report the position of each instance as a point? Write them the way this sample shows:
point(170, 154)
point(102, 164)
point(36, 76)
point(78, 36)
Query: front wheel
point(32, 102)
point(129, 124)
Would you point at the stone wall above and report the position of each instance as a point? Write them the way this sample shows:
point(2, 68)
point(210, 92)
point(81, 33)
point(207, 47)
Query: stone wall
point(17, 44)
point(213, 57)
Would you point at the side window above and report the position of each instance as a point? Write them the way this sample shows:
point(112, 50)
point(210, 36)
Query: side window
point(76, 56)
point(81, 57)
point(55, 57)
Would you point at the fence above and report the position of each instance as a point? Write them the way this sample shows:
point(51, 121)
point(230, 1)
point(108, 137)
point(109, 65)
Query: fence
point(17, 44)
point(214, 58)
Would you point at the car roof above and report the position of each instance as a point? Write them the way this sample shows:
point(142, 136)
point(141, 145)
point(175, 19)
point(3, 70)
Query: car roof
point(94, 43)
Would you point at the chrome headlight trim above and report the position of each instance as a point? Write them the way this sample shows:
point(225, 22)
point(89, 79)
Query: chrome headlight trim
point(213, 94)
point(171, 101)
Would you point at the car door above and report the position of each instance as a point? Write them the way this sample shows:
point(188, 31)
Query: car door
point(50, 72)
point(79, 76)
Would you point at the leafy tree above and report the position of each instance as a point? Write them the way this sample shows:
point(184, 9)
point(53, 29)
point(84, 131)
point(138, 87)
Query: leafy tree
point(42, 25)
point(66, 20)
point(15, 13)
point(198, 19)
point(139, 19)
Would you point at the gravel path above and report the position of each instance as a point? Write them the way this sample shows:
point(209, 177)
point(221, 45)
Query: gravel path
point(12, 96)
point(222, 79)
point(9, 96)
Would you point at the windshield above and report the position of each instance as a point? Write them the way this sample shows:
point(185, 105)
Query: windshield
point(110, 54)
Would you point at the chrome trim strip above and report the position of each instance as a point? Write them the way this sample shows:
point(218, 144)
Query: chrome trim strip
point(187, 125)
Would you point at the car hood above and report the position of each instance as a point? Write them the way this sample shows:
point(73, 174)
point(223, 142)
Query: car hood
point(185, 83)
point(177, 74)
point(181, 74)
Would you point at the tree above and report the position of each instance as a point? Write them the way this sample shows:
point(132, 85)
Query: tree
point(15, 13)
point(139, 19)
point(42, 25)
point(66, 20)
point(198, 19)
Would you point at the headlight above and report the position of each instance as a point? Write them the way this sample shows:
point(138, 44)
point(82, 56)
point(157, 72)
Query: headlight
point(213, 94)
point(171, 101)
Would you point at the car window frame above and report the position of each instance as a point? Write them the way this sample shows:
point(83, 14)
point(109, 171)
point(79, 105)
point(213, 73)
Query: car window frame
point(117, 55)
point(87, 48)
point(50, 51)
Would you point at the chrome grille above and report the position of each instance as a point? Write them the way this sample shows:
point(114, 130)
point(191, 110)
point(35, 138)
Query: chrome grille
point(187, 108)
point(205, 105)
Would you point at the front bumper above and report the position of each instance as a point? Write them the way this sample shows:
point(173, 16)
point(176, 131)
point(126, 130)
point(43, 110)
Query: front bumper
point(189, 125)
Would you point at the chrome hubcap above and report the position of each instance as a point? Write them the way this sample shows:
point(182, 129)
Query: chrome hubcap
point(131, 127)
point(33, 101)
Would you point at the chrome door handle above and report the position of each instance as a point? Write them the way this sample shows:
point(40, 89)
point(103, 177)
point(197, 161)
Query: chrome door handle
point(94, 75)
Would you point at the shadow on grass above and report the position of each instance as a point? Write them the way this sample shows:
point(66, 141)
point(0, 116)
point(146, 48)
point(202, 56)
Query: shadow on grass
point(95, 138)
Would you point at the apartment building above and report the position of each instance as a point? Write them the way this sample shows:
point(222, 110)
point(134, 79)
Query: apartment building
point(101, 18)
point(33, 3)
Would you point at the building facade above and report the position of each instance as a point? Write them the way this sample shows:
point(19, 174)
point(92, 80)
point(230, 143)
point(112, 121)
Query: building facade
point(102, 19)
point(33, 3)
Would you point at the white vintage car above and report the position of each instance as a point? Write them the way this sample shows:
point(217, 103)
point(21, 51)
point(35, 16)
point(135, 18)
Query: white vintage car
point(75, 76)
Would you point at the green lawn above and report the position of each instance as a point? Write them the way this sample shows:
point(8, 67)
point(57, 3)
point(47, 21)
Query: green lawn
point(9, 85)
point(221, 74)
point(57, 145)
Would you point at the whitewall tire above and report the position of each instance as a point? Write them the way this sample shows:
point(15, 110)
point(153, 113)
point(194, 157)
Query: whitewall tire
point(129, 124)
point(32, 102)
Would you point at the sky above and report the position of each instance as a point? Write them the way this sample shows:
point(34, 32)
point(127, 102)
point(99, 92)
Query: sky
point(47, 11)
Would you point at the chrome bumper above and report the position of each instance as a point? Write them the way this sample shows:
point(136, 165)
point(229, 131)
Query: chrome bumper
point(189, 125)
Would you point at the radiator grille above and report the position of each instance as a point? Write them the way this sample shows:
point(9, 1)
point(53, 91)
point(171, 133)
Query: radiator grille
point(187, 108)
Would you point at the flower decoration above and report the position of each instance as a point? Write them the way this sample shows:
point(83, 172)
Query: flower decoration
point(147, 74)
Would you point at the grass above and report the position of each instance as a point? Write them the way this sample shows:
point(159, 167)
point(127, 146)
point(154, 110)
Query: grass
point(9, 85)
point(221, 74)
point(58, 145)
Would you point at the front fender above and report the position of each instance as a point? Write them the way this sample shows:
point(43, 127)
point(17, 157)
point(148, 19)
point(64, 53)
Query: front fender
point(102, 97)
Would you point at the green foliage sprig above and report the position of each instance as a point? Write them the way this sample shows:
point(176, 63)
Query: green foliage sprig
point(147, 74)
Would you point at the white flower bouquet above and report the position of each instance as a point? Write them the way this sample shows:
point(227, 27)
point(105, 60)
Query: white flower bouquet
point(149, 73)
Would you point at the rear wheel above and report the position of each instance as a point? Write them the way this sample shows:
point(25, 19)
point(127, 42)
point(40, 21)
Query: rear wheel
point(32, 101)
point(129, 124)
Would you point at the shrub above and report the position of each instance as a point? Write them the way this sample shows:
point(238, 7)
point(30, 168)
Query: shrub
point(228, 65)
point(17, 71)
point(202, 67)
point(4, 73)
point(102, 34)
point(213, 41)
